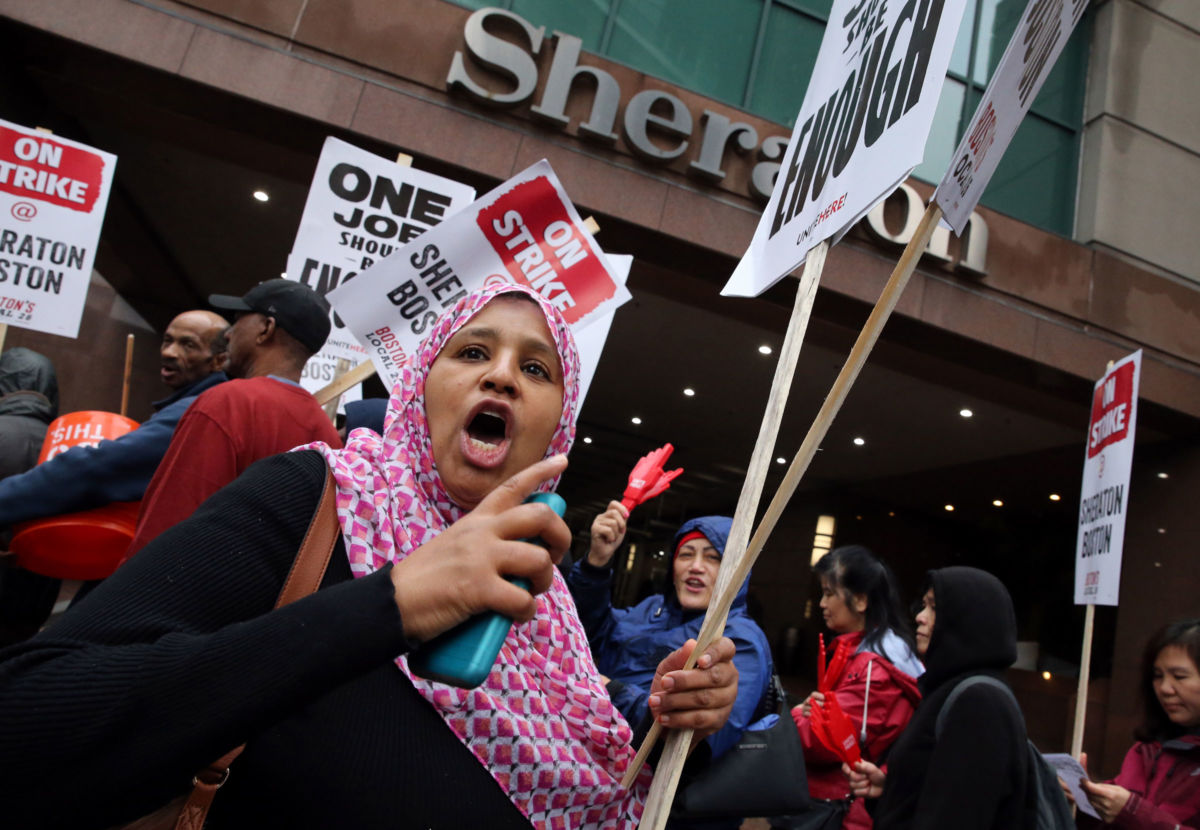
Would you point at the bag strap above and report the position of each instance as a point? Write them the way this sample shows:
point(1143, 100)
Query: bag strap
point(962, 686)
point(303, 579)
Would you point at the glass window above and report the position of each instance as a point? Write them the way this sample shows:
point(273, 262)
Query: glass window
point(1035, 180)
point(785, 62)
point(960, 58)
point(583, 18)
point(1061, 97)
point(998, 20)
point(705, 45)
point(944, 134)
point(820, 8)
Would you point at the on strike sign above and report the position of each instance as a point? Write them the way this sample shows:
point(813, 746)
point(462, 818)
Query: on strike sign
point(531, 229)
point(360, 208)
point(53, 193)
point(1104, 495)
point(525, 231)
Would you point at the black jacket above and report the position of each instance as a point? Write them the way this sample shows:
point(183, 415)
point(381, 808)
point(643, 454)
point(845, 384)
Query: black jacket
point(28, 403)
point(178, 657)
point(972, 777)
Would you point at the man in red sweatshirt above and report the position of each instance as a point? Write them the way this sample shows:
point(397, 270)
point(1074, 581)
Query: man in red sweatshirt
point(279, 325)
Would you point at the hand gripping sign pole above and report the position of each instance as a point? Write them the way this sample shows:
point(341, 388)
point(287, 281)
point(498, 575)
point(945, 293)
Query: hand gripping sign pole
point(662, 791)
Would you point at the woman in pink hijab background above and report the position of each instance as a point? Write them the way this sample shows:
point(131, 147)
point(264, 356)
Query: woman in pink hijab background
point(180, 656)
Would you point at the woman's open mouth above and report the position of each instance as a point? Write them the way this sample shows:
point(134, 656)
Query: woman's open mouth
point(485, 439)
point(696, 586)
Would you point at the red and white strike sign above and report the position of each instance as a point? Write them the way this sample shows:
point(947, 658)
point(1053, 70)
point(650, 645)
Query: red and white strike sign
point(53, 193)
point(1104, 496)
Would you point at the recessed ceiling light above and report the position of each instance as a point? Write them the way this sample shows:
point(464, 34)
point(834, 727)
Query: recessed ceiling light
point(283, 275)
point(587, 439)
point(261, 195)
point(781, 460)
point(1046, 675)
point(949, 508)
point(1162, 530)
point(636, 419)
point(858, 442)
point(1055, 497)
point(997, 503)
point(966, 413)
point(764, 349)
point(891, 512)
point(690, 392)
point(1163, 475)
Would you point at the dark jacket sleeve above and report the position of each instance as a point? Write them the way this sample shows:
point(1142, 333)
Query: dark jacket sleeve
point(591, 588)
point(974, 763)
point(180, 656)
point(85, 477)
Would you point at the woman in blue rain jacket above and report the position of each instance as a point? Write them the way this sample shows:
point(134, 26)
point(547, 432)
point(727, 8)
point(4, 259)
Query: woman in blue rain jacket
point(628, 643)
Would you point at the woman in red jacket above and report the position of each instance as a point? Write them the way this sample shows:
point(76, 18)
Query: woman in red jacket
point(878, 682)
point(1158, 787)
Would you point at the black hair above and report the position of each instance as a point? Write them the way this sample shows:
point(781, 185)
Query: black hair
point(1156, 726)
point(855, 570)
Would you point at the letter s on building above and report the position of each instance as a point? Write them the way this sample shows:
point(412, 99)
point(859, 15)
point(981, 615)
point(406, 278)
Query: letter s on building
point(499, 55)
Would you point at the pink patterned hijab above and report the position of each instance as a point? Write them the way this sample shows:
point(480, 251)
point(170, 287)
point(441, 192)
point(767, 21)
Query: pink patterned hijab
point(542, 723)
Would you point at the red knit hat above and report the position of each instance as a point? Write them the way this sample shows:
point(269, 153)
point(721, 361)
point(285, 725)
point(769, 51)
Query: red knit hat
point(688, 537)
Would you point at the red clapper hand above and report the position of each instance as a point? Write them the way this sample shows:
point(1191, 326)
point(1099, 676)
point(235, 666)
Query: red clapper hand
point(648, 478)
point(830, 725)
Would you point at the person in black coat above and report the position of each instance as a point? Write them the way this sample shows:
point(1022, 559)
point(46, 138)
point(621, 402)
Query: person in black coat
point(28, 403)
point(973, 776)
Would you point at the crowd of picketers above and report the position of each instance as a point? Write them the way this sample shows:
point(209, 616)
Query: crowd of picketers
point(216, 667)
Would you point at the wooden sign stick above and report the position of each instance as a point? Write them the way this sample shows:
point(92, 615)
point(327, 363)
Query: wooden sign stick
point(128, 374)
point(340, 384)
point(662, 792)
point(816, 433)
point(1081, 693)
point(3, 334)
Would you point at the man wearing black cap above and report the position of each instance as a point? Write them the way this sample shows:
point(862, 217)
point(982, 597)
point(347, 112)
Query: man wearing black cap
point(279, 325)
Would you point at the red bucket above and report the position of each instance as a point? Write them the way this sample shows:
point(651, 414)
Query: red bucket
point(88, 544)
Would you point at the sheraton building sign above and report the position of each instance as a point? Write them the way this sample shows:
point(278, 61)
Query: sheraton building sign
point(498, 68)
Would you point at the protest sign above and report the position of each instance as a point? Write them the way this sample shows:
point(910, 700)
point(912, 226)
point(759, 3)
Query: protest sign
point(1040, 37)
point(53, 194)
point(360, 208)
point(1104, 496)
point(860, 131)
point(525, 231)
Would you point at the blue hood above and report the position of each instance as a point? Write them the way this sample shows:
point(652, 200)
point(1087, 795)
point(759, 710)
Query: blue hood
point(716, 530)
point(629, 643)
